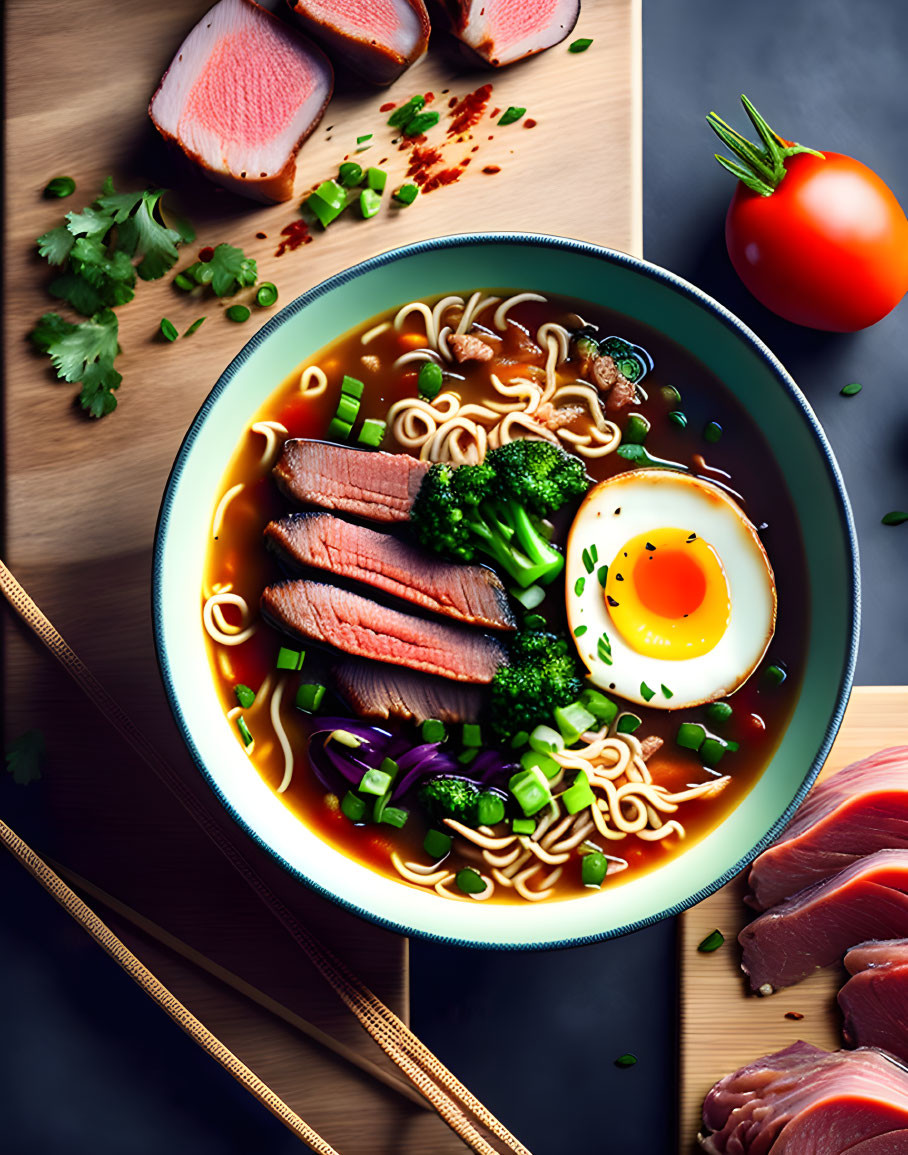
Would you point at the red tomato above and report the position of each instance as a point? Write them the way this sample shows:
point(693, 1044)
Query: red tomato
point(828, 248)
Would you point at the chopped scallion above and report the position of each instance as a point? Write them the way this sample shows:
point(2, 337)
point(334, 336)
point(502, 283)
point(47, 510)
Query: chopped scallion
point(774, 675)
point(628, 723)
point(691, 736)
point(573, 720)
point(374, 782)
point(852, 390)
point(578, 796)
point(238, 314)
point(432, 730)
point(712, 942)
point(405, 113)
point(646, 693)
point(288, 659)
point(530, 789)
point(372, 432)
point(60, 186)
point(421, 123)
point(719, 712)
point(183, 282)
point(627, 1060)
point(339, 430)
point(580, 45)
point(350, 174)
point(369, 203)
point(471, 735)
point(896, 517)
point(244, 731)
point(266, 295)
point(539, 760)
point(713, 432)
point(168, 330)
point(376, 179)
point(529, 598)
point(666, 692)
point(469, 881)
point(523, 825)
point(196, 324)
point(353, 807)
point(636, 429)
point(603, 709)
point(489, 809)
point(511, 115)
point(352, 387)
point(395, 816)
point(245, 695)
point(347, 408)
point(546, 740)
point(436, 844)
point(309, 696)
point(430, 380)
point(406, 194)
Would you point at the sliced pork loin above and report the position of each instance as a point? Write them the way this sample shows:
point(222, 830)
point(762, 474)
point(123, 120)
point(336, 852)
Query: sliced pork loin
point(805, 1101)
point(855, 812)
point(502, 31)
point(378, 486)
point(377, 690)
point(346, 621)
point(469, 593)
point(241, 95)
point(379, 39)
point(874, 1001)
point(816, 927)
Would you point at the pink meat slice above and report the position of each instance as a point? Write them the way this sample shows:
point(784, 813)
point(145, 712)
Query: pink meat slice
point(379, 39)
point(824, 1101)
point(877, 953)
point(334, 617)
point(816, 927)
point(874, 1001)
point(469, 593)
point(502, 31)
point(377, 690)
point(861, 809)
point(241, 95)
point(377, 486)
point(892, 1143)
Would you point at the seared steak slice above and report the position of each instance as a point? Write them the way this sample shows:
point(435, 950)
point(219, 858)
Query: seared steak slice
point(379, 486)
point(502, 31)
point(867, 899)
point(470, 593)
point(379, 39)
point(376, 690)
point(241, 95)
point(335, 617)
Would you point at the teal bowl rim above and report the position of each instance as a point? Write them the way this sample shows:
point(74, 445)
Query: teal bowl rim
point(567, 245)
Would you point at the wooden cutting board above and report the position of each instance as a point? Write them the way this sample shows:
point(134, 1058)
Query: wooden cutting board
point(82, 496)
point(722, 1025)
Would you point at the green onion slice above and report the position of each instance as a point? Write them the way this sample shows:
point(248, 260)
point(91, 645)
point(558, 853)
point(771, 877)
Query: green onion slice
point(712, 942)
point(60, 186)
point(168, 330)
point(266, 296)
point(580, 45)
point(238, 314)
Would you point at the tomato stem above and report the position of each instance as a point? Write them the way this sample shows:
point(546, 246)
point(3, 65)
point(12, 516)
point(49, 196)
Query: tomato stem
point(760, 169)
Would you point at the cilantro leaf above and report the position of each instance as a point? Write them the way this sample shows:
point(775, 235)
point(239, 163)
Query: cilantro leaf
point(49, 329)
point(55, 245)
point(24, 756)
point(112, 275)
point(118, 205)
point(94, 340)
point(90, 222)
point(228, 271)
point(143, 233)
point(83, 297)
point(97, 393)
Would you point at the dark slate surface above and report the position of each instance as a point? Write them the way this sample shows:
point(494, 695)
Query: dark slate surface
point(536, 1035)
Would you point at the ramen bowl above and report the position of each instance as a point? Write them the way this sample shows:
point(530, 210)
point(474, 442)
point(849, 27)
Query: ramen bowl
point(725, 347)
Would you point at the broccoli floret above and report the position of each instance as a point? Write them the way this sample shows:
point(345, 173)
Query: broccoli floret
point(492, 508)
point(456, 512)
point(540, 475)
point(448, 797)
point(540, 676)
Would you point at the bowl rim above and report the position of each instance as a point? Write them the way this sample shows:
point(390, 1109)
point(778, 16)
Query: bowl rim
point(572, 246)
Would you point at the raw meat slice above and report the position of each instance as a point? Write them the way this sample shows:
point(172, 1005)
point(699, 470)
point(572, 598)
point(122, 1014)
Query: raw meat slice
point(877, 953)
point(379, 486)
point(241, 95)
point(817, 926)
point(365, 629)
point(805, 1101)
point(502, 31)
point(376, 690)
point(874, 1001)
point(379, 39)
point(469, 593)
point(861, 809)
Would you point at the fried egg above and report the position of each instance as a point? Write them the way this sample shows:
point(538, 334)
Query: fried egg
point(671, 599)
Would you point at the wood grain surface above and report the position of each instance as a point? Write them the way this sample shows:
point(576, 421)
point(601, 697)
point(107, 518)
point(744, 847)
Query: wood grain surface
point(81, 497)
point(723, 1025)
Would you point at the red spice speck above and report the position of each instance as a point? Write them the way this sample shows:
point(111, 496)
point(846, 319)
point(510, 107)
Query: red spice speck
point(490, 138)
point(387, 107)
point(467, 111)
point(491, 169)
point(446, 176)
point(452, 102)
point(206, 254)
point(475, 148)
point(429, 97)
point(796, 1015)
point(421, 161)
point(494, 112)
point(529, 123)
point(295, 234)
point(262, 236)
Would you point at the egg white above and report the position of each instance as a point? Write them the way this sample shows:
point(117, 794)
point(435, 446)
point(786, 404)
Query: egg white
point(640, 501)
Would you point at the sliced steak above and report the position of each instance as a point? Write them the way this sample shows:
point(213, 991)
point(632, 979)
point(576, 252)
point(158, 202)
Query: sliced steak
point(377, 690)
point(378, 486)
point(379, 39)
point(502, 31)
point(874, 1001)
point(335, 617)
point(804, 1101)
point(241, 95)
point(469, 593)
point(861, 809)
point(816, 927)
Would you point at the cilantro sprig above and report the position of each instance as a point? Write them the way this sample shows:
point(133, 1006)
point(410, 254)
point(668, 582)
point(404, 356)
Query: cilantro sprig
point(100, 251)
point(227, 270)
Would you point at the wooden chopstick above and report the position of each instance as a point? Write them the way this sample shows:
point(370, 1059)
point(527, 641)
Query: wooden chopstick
point(155, 989)
point(203, 962)
point(447, 1094)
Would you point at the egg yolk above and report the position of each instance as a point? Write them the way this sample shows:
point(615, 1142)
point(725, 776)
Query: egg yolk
point(667, 594)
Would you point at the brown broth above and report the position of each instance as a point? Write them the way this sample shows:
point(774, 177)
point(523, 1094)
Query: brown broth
point(760, 715)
